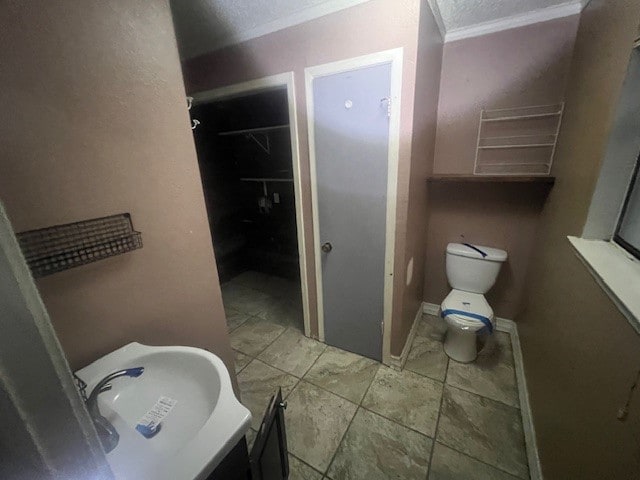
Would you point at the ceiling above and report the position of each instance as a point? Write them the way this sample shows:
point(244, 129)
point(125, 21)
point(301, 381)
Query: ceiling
point(458, 14)
point(205, 25)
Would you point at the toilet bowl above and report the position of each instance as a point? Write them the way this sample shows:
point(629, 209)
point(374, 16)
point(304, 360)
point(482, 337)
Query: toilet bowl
point(471, 270)
point(466, 315)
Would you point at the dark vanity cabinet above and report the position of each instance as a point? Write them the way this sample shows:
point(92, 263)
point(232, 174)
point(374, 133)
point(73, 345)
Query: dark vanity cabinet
point(268, 459)
point(269, 456)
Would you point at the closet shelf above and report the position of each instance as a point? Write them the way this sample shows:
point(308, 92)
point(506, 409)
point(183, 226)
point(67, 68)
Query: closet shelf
point(264, 182)
point(250, 133)
point(253, 130)
point(266, 179)
point(541, 179)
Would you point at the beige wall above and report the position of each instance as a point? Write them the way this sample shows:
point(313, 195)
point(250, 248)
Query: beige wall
point(371, 27)
point(512, 68)
point(94, 123)
point(517, 67)
point(429, 62)
point(580, 354)
point(503, 216)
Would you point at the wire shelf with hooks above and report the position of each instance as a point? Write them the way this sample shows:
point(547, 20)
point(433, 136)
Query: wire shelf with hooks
point(61, 247)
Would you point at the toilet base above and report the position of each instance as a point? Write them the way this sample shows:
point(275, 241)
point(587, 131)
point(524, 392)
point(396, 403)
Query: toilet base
point(460, 345)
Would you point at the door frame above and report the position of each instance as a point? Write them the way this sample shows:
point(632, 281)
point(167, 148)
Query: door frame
point(395, 58)
point(45, 379)
point(259, 85)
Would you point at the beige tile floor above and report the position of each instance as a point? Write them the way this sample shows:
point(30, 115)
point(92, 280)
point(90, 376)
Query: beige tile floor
point(349, 417)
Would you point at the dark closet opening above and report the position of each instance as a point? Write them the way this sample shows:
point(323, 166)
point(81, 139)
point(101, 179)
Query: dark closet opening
point(244, 152)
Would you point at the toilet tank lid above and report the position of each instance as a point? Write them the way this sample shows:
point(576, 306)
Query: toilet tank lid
point(477, 251)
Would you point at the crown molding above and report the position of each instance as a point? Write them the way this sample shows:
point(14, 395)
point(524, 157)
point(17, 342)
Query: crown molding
point(572, 7)
point(541, 15)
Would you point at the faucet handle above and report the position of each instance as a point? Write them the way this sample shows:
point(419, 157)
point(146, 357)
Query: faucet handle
point(134, 372)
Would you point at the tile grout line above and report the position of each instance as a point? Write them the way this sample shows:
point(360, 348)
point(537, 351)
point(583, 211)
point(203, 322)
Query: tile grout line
point(425, 376)
point(229, 332)
point(251, 359)
point(284, 371)
point(249, 317)
point(333, 457)
point(302, 461)
point(317, 358)
point(459, 388)
point(391, 419)
point(270, 343)
point(327, 391)
point(479, 461)
point(486, 398)
point(466, 454)
point(291, 391)
point(302, 378)
point(256, 357)
point(373, 377)
point(397, 423)
point(358, 407)
point(359, 404)
point(435, 432)
point(313, 384)
point(295, 385)
point(494, 399)
point(298, 379)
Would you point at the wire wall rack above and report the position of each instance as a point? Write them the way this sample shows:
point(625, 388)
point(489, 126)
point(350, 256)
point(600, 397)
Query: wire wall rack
point(61, 247)
point(253, 133)
point(518, 141)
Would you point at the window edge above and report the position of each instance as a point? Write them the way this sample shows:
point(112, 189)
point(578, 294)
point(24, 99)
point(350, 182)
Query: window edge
point(615, 271)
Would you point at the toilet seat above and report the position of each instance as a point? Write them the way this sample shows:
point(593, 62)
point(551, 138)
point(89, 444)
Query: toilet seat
point(460, 308)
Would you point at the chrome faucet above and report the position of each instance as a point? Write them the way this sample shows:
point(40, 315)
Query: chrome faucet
point(106, 431)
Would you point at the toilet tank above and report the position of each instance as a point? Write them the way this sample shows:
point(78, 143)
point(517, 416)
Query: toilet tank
point(473, 268)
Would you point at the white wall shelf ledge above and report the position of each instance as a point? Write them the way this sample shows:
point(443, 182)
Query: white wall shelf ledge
point(616, 271)
point(510, 118)
point(532, 145)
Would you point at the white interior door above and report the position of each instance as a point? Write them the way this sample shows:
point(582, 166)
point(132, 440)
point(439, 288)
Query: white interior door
point(351, 141)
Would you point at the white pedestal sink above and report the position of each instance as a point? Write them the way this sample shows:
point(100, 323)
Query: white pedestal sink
point(205, 424)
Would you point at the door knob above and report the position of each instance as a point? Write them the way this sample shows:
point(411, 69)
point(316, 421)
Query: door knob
point(326, 247)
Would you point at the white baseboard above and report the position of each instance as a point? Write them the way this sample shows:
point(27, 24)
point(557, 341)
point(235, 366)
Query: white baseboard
point(430, 308)
point(510, 327)
point(397, 362)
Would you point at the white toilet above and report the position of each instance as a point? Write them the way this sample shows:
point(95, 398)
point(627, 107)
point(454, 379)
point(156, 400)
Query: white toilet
point(472, 271)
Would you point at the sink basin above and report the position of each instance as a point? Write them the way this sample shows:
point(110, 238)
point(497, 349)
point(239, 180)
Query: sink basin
point(204, 425)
